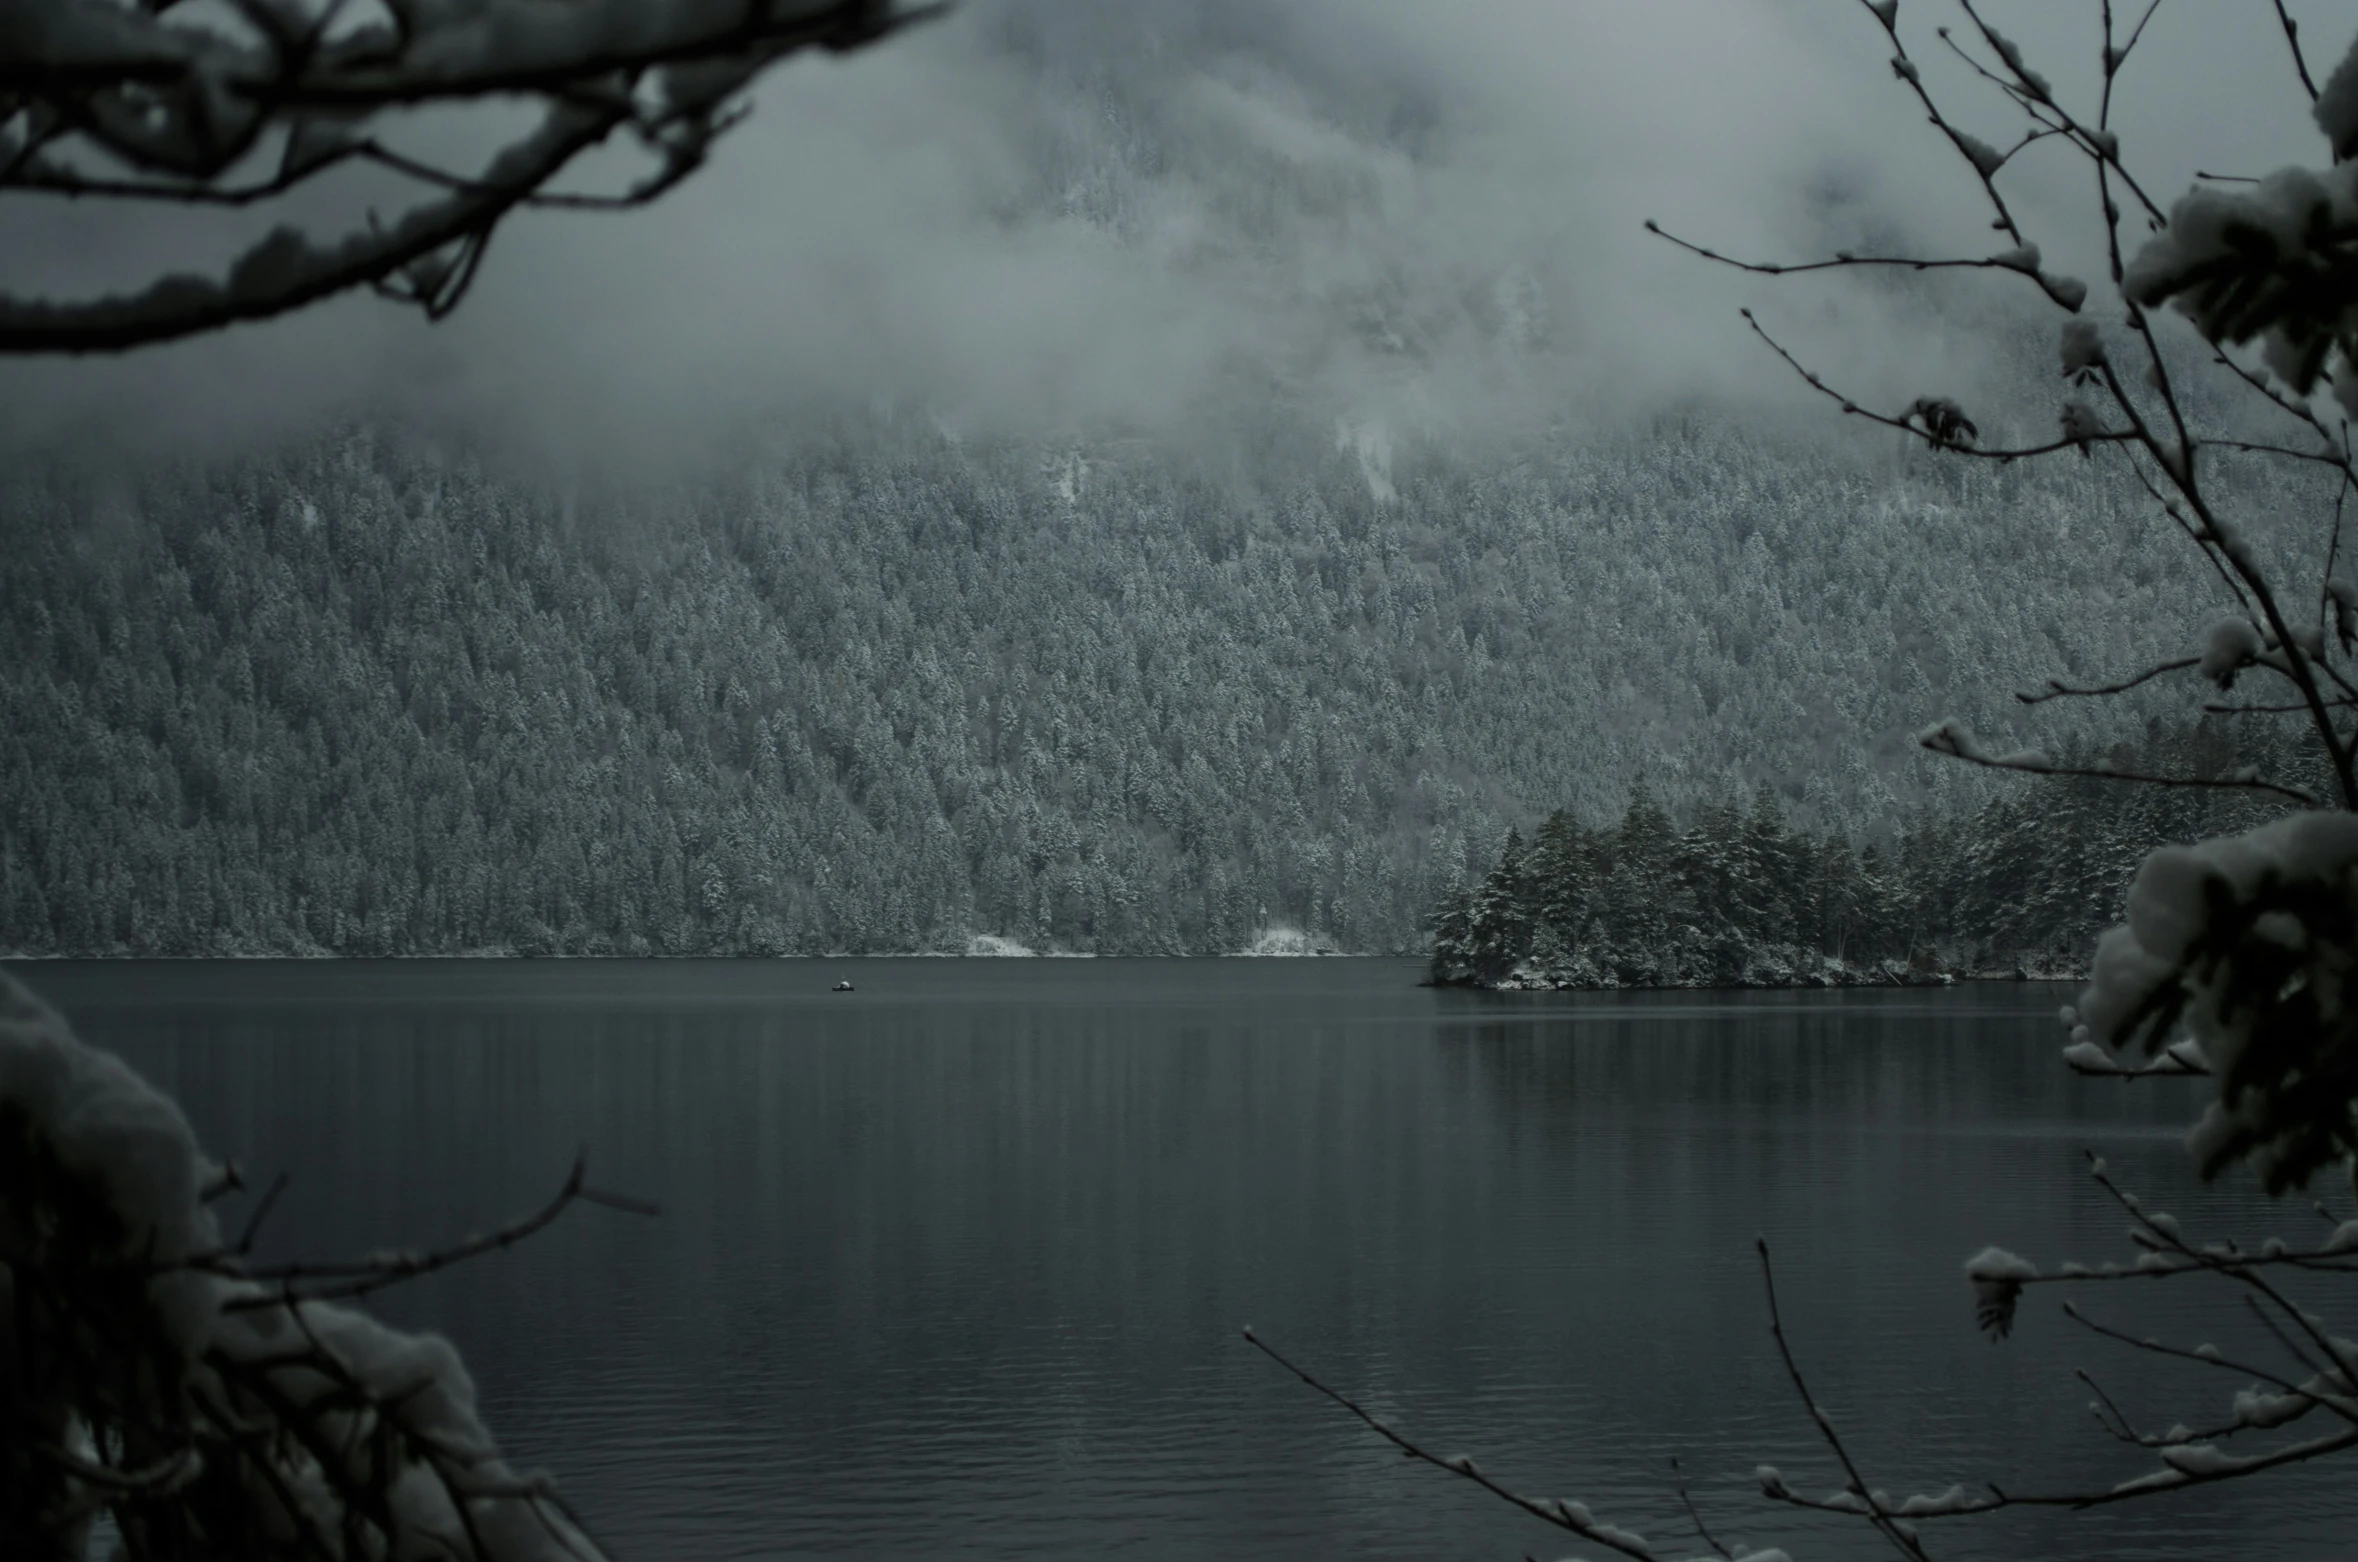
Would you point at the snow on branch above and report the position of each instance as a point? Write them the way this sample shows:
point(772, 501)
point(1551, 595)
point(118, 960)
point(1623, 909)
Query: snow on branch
point(2276, 262)
point(1954, 740)
point(212, 1410)
point(1936, 420)
point(2070, 292)
point(2243, 944)
point(104, 100)
point(2056, 690)
point(2321, 1379)
point(1856, 1495)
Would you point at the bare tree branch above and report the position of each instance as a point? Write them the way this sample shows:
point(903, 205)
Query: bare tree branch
point(2056, 690)
point(1888, 1525)
point(305, 1281)
point(2058, 289)
point(179, 107)
point(2292, 39)
point(1695, 1516)
point(1560, 1512)
point(1951, 741)
point(1909, 424)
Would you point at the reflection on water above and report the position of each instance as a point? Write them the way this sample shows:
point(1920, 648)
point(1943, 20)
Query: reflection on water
point(954, 1265)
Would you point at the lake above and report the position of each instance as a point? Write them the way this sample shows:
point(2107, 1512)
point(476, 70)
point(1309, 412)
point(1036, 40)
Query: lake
point(954, 1265)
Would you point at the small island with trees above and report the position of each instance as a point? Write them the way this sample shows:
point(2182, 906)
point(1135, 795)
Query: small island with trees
point(1737, 896)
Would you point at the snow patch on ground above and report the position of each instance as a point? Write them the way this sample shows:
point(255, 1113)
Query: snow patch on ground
point(1278, 940)
point(1371, 442)
point(990, 946)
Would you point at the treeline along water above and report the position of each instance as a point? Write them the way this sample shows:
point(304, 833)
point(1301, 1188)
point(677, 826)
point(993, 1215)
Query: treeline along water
point(888, 690)
point(1739, 897)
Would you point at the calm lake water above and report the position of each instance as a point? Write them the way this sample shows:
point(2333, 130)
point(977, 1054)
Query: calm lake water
point(955, 1265)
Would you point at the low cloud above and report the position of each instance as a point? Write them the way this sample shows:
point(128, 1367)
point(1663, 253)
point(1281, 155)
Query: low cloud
point(1057, 218)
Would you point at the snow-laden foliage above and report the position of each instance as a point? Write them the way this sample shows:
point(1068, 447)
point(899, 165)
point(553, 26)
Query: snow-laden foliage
point(245, 106)
point(1998, 1277)
point(891, 693)
point(2274, 261)
point(2249, 944)
point(2269, 261)
point(2337, 107)
point(1738, 897)
point(210, 1413)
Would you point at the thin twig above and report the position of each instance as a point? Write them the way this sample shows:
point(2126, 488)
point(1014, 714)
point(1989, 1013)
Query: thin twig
point(1841, 261)
point(259, 1214)
point(1562, 1514)
point(2333, 549)
point(1889, 1527)
point(2292, 39)
point(2221, 708)
point(357, 1277)
point(2292, 1347)
point(1702, 1530)
point(1947, 446)
point(2056, 690)
point(2178, 1352)
point(2192, 783)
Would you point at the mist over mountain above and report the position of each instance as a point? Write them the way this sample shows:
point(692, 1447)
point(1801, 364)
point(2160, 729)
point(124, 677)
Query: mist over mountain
point(1114, 478)
point(1058, 218)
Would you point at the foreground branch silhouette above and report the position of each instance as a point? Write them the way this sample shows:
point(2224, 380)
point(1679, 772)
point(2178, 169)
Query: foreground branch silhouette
point(2238, 958)
point(253, 103)
point(211, 1406)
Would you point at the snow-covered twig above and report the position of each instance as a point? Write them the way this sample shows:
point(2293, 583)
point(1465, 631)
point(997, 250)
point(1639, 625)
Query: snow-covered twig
point(2032, 93)
point(2169, 439)
point(2056, 690)
point(1951, 741)
point(2292, 39)
point(1870, 1503)
point(132, 104)
point(1911, 424)
point(1982, 159)
point(2023, 262)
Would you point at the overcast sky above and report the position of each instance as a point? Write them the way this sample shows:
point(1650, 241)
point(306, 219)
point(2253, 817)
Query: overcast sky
point(1059, 218)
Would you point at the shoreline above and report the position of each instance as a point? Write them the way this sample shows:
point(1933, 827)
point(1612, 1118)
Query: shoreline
point(323, 957)
point(1829, 979)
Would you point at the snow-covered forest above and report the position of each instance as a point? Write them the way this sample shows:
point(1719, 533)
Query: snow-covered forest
point(2022, 885)
point(892, 690)
point(1222, 505)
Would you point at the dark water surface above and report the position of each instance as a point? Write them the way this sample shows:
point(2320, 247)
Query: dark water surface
point(954, 1265)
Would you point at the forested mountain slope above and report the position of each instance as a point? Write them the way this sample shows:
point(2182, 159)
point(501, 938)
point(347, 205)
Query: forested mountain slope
point(886, 690)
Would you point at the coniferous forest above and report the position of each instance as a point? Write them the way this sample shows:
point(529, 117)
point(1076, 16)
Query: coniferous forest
point(1737, 896)
point(897, 692)
point(1257, 646)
